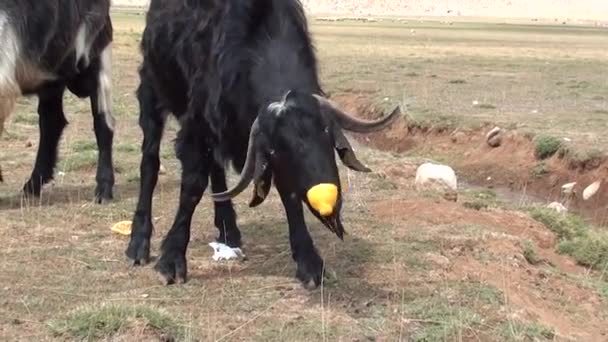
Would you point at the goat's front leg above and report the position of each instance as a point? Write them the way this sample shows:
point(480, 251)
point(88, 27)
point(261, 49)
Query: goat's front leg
point(195, 158)
point(225, 216)
point(51, 124)
point(304, 253)
point(152, 123)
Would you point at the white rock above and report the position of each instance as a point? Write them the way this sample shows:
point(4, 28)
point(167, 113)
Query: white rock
point(162, 170)
point(568, 188)
point(493, 132)
point(475, 103)
point(557, 207)
point(429, 172)
point(493, 138)
point(223, 252)
point(591, 190)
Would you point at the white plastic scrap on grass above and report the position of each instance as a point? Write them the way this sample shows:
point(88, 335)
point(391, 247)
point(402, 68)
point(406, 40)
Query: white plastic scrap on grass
point(224, 252)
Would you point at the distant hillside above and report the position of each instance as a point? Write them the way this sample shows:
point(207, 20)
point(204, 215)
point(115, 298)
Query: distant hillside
point(563, 9)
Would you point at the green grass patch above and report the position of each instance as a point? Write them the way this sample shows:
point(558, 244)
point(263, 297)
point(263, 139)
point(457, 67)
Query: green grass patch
point(457, 81)
point(26, 119)
point(529, 251)
point(128, 148)
point(565, 226)
point(486, 106)
point(106, 321)
point(84, 146)
point(480, 199)
point(546, 146)
point(588, 246)
point(589, 250)
point(540, 170)
point(79, 161)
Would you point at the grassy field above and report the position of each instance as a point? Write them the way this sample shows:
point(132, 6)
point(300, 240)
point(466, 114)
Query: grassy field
point(413, 267)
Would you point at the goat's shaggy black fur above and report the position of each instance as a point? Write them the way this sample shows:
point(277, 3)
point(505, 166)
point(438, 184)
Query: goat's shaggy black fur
point(222, 68)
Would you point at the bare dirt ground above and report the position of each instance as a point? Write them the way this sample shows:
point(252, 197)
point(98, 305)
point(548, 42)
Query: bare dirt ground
point(414, 266)
point(564, 10)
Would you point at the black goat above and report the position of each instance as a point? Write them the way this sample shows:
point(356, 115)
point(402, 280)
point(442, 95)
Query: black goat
point(241, 77)
point(46, 46)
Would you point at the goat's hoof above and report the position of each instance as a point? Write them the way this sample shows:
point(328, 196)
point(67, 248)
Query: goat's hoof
point(32, 189)
point(172, 268)
point(233, 241)
point(310, 271)
point(103, 194)
point(138, 251)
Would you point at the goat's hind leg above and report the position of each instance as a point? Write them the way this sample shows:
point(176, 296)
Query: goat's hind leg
point(103, 123)
point(51, 124)
point(196, 159)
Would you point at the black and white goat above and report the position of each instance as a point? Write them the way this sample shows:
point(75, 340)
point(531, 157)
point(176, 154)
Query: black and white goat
point(241, 78)
point(47, 46)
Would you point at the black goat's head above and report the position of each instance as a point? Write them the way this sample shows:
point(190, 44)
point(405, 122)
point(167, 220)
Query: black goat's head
point(293, 141)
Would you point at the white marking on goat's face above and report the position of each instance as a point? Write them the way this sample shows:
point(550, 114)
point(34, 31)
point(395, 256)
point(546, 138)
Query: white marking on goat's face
point(279, 107)
point(104, 89)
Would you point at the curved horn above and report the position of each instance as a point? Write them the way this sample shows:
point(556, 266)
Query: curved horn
point(354, 124)
point(248, 169)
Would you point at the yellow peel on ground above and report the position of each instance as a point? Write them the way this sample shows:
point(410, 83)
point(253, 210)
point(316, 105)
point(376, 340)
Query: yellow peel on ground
point(323, 197)
point(122, 227)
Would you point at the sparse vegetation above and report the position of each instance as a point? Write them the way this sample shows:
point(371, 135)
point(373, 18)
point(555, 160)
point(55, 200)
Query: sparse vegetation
point(486, 106)
point(440, 320)
point(107, 320)
point(457, 81)
point(515, 331)
point(86, 159)
point(546, 146)
point(540, 170)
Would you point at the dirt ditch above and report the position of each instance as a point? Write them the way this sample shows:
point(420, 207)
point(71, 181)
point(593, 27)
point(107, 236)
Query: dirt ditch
point(511, 168)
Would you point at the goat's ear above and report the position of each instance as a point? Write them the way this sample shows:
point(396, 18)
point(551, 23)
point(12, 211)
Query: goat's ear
point(346, 153)
point(262, 180)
